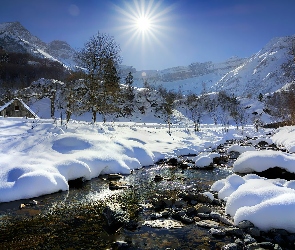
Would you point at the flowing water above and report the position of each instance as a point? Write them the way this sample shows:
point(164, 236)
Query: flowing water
point(57, 220)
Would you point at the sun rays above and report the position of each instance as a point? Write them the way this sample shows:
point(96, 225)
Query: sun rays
point(144, 22)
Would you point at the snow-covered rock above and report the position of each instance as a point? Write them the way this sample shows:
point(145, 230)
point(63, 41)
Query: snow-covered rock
point(258, 161)
point(285, 136)
point(240, 149)
point(256, 199)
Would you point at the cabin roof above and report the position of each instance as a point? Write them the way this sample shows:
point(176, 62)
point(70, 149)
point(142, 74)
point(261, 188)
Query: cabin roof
point(22, 102)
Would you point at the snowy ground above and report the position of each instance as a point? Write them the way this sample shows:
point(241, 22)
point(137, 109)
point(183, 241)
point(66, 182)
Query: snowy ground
point(268, 203)
point(40, 157)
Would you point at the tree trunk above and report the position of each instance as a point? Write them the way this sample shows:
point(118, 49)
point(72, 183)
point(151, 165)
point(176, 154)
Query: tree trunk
point(93, 115)
point(52, 107)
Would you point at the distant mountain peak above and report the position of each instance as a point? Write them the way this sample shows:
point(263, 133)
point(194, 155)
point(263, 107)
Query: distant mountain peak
point(61, 50)
point(17, 31)
point(16, 38)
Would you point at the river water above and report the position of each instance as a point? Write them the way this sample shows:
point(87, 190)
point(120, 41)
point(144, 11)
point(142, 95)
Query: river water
point(140, 181)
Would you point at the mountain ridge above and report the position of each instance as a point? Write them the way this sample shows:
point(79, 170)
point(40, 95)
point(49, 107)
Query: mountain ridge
point(264, 72)
point(15, 38)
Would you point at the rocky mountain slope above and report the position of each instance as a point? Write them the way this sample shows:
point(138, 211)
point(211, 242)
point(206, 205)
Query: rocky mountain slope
point(15, 38)
point(266, 71)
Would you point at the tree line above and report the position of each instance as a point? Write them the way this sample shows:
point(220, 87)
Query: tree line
point(95, 87)
point(19, 70)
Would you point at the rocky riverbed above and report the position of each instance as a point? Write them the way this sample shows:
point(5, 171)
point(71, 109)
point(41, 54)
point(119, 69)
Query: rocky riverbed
point(165, 206)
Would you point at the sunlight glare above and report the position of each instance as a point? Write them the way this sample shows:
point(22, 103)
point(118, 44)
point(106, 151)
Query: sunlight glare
point(145, 26)
point(144, 20)
point(143, 23)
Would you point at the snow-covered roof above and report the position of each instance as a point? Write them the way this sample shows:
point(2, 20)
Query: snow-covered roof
point(22, 102)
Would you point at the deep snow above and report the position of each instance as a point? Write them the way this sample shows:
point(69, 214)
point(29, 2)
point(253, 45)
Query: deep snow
point(40, 156)
point(267, 203)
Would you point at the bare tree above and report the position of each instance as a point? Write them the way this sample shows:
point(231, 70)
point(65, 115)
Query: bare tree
point(194, 108)
point(281, 105)
point(129, 96)
point(99, 59)
point(167, 105)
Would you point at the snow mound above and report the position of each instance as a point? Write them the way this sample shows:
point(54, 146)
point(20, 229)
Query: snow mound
point(144, 156)
point(32, 184)
point(209, 195)
point(240, 149)
point(285, 137)
point(259, 161)
point(68, 144)
point(203, 161)
point(226, 187)
point(257, 200)
point(74, 169)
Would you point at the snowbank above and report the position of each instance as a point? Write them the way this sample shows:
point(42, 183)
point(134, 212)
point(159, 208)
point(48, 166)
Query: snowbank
point(258, 199)
point(266, 203)
point(39, 157)
point(204, 160)
point(258, 161)
point(285, 137)
point(240, 149)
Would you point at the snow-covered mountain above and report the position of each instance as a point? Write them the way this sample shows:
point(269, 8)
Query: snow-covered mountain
point(62, 51)
point(265, 71)
point(15, 38)
point(196, 78)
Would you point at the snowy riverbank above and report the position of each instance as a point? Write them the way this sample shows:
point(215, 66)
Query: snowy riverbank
point(40, 157)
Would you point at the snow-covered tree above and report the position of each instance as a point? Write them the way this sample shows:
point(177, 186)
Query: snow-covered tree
point(194, 108)
point(128, 96)
point(99, 59)
point(281, 104)
point(166, 104)
point(47, 88)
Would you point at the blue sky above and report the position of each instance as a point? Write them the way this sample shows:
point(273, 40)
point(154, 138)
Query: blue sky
point(181, 31)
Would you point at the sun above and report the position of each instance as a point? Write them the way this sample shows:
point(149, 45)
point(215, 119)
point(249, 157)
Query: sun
point(145, 27)
point(144, 20)
point(143, 23)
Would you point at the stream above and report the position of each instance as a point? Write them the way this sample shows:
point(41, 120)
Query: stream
point(72, 220)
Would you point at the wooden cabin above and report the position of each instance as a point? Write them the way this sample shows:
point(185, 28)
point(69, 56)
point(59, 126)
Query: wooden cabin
point(17, 108)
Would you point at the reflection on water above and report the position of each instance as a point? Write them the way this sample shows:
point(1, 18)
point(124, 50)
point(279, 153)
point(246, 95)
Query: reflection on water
point(143, 182)
point(98, 188)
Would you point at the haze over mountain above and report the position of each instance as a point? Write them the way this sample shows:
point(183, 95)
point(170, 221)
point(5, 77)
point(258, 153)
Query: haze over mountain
point(265, 71)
